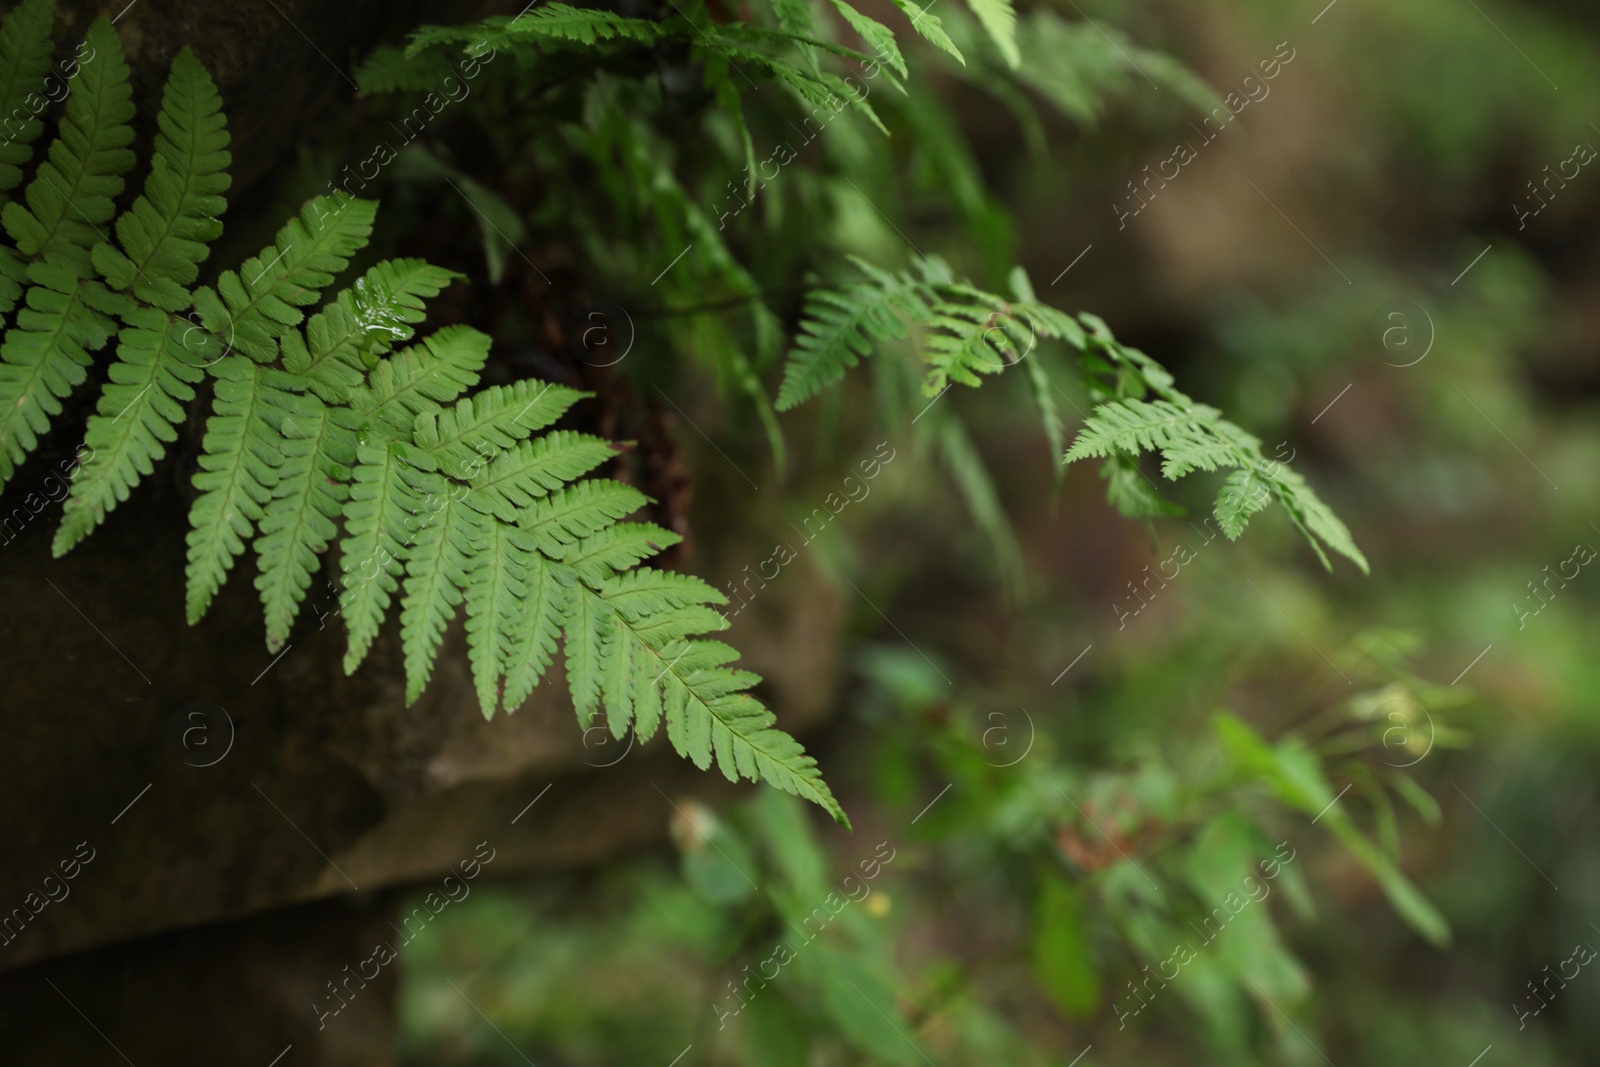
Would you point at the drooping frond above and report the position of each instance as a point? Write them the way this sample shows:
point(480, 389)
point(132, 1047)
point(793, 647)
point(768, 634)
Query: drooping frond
point(136, 419)
point(1191, 437)
point(166, 234)
point(243, 450)
point(545, 24)
point(630, 650)
point(24, 59)
point(841, 326)
point(252, 307)
point(381, 519)
point(324, 433)
point(298, 523)
point(999, 20)
point(450, 536)
point(876, 35)
point(965, 333)
point(65, 317)
point(73, 192)
point(929, 26)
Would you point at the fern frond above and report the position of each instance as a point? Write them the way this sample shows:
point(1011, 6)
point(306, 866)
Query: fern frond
point(365, 319)
point(1080, 67)
point(617, 548)
point(73, 191)
point(298, 523)
point(999, 20)
point(878, 37)
point(24, 59)
point(44, 357)
point(513, 481)
point(434, 371)
point(794, 16)
point(576, 511)
point(930, 27)
point(1192, 437)
point(537, 627)
point(142, 403)
point(238, 471)
point(166, 234)
point(463, 437)
point(390, 70)
point(550, 23)
point(450, 536)
point(817, 90)
point(497, 594)
point(687, 684)
point(380, 523)
point(842, 326)
point(258, 303)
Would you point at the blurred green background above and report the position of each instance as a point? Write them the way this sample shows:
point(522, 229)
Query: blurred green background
point(1072, 773)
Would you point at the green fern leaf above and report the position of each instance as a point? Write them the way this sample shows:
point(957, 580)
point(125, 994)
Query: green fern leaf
point(551, 23)
point(44, 357)
point(477, 427)
point(537, 627)
point(509, 486)
point(298, 523)
point(142, 403)
point(842, 326)
point(450, 535)
point(618, 548)
point(13, 276)
point(999, 19)
point(1191, 437)
point(24, 60)
point(878, 37)
point(707, 712)
point(434, 371)
point(381, 517)
point(166, 234)
point(575, 512)
point(74, 190)
point(238, 470)
point(391, 70)
point(930, 27)
point(260, 302)
point(969, 336)
point(497, 595)
point(364, 320)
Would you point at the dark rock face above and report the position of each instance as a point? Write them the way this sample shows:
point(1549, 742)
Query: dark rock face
point(155, 776)
point(240, 992)
point(197, 835)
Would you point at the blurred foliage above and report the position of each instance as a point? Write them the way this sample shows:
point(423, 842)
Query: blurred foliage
point(1386, 320)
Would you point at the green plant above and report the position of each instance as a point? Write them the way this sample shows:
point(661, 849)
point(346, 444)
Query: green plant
point(323, 430)
point(965, 332)
point(319, 421)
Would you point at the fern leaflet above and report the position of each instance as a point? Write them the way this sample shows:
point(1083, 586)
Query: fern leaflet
point(24, 59)
point(257, 304)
